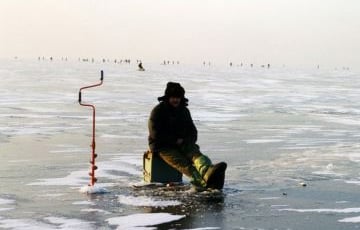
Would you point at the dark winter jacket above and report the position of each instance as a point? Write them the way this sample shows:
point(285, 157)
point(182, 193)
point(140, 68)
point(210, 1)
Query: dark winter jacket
point(167, 124)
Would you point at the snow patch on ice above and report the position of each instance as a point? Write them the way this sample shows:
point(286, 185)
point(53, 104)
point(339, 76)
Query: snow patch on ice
point(130, 159)
point(6, 201)
point(5, 209)
point(146, 201)
point(106, 169)
point(74, 179)
point(73, 150)
point(95, 210)
point(19, 161)
point(341, 202)
point(261, 141)
point(52, 195)
point(345, 210)
point(205, 228)
point(357, 182)
point(279, 205)
point(328, 170)
point(83, 203)
point(49, 223)
point(208, 116)
point(270, 198)
point(93, 189)
point(355, 219)
point(143, 220)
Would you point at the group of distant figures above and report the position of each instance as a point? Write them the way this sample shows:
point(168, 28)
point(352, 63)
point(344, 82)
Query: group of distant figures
point(165, 62)
point(169, 62)
point(127, 61)
point(251, 65)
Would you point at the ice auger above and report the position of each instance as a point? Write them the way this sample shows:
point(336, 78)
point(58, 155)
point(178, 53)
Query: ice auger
point(93, 167)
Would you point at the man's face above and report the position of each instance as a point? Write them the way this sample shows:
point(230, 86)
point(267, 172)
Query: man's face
point(174, 101)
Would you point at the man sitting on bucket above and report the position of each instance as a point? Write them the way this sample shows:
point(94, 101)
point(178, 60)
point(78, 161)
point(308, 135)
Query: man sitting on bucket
point(173, 135)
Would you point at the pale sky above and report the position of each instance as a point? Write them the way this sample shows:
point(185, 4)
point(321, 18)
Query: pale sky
point(291, 32)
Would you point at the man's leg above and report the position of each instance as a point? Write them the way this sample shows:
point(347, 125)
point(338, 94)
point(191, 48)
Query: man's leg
point(199, 160)
point(180, 162)
point(213, 175)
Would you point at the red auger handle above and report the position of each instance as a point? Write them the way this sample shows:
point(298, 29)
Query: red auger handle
point(90, 86)
point(79, 96)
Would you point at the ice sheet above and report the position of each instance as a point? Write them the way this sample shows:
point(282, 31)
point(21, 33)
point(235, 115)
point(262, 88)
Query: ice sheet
point(299, 125)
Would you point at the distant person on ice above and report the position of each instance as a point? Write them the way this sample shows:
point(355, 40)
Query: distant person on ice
point(173, 135)
point(141, 68)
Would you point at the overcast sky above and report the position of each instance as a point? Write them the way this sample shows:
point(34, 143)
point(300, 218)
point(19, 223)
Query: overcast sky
point(291, 32)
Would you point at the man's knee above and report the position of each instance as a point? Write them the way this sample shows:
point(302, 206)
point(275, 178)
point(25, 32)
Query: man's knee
point(175, 158)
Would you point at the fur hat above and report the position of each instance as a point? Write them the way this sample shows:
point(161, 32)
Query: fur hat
point(173, 89)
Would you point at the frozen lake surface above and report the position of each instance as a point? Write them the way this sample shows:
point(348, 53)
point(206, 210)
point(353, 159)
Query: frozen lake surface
point(290, 138)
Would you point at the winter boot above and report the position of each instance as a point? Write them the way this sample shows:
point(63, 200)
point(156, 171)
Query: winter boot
point(196, 180)
point(215, 176)
point(202, 163)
